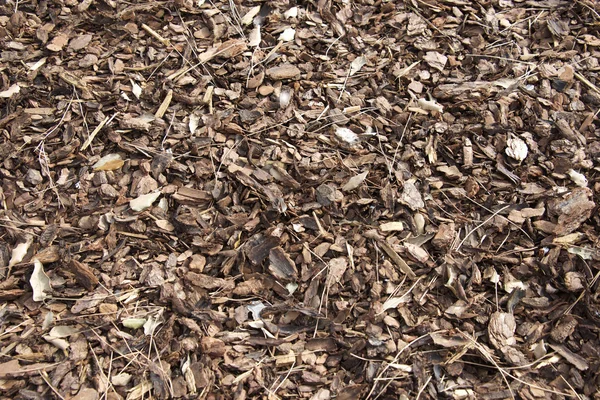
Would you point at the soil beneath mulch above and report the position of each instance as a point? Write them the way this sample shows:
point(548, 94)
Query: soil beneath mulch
point(322, 200)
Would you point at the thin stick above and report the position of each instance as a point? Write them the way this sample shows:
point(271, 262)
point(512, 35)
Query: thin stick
point(504, 373)
point(586, 82)
point(393, 362)
point(105, 121)
point(500, 58)
point(284, 378)
point(423, 387)
point(155, 34)
point(480, 225)
point(44, 376)
point(162, 143)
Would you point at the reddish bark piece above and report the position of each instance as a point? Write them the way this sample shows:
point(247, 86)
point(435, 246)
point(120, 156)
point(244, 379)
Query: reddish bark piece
point(83, 274)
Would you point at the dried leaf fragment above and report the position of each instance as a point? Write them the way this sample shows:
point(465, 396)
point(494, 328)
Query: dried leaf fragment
point(151, 324)
point(284, 71)
point(80, 42)
point(436, 60)
point(293, 13)
point(355, 181)
point(337, 267)
point(516, 148)
point(357, 64)
point(391, 226)
point(57, 342)
point(62, 331)
point(578, 178)
point(39, 281)
point(144, 201)
point(411, 196)
point(445, 340)
point(140, 390)
point(58, 42)
point(165, 224)
point(281, 265)
point(8, 93)
point(394, 302)
point(134, 323)
point(287, 35)
point(585, 253)
point(109, 162)
point(19, 252)
point(136, 89)
point(255, 37)
point(346, 135)
point(430, 105)
point(249, 16)
point(121, 379)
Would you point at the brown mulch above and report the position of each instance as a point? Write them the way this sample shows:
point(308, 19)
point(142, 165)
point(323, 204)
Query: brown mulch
point(322, 200)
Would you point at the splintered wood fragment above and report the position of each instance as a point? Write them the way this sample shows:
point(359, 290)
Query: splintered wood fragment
point(284, 177)
point(285, 359)
point(11, 294)
point(155, 34)
point(351, 109)
point(164, 105)
point(133, 235)
point(505, 171)
point(72, 80)
point(77, 83)
point(467, 153)
point(321, 344)
point(579, 362)
point(13, 369)
point(572, 210)
point(209, 282)
point(404, 267)
point(83, 274)
point(208, 94)
point(469, 90)
point(207, 98)
point(322, 231)
point(39, 111)
point(391, 226)
point(185, 195)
